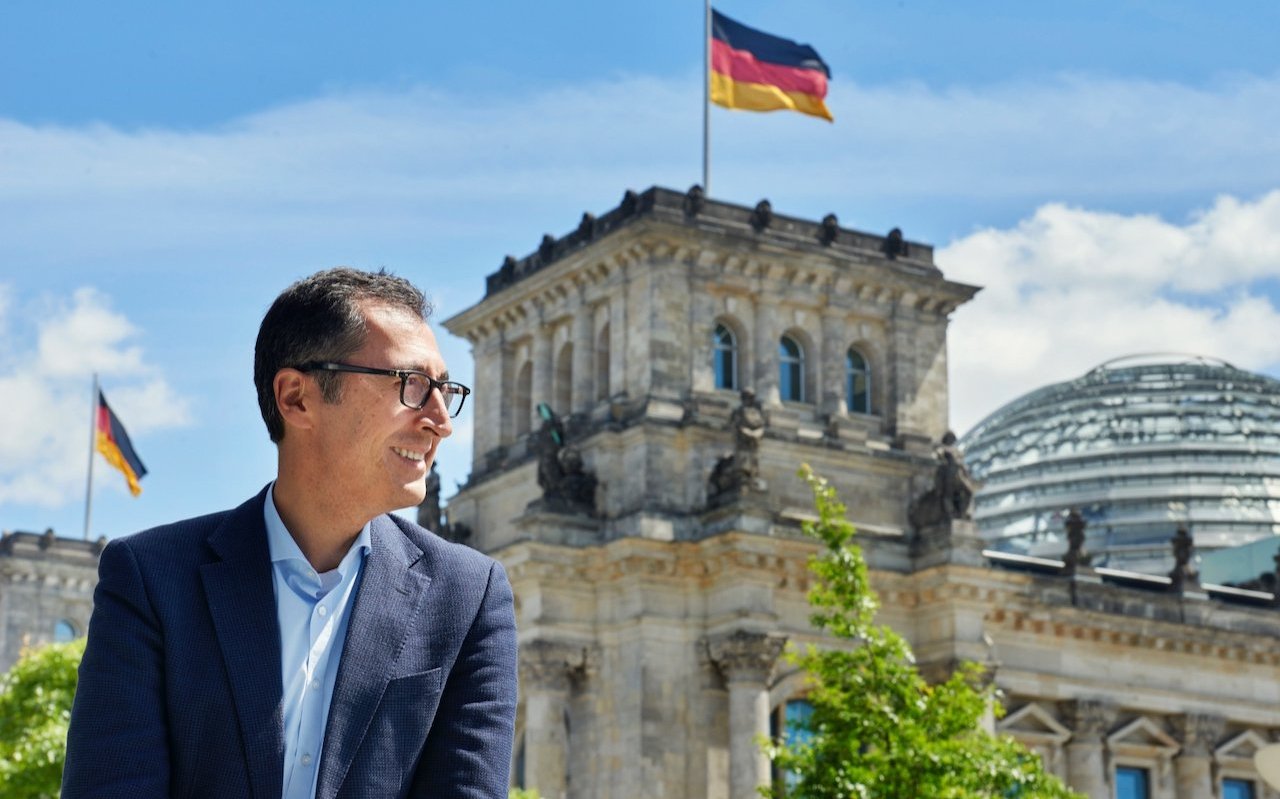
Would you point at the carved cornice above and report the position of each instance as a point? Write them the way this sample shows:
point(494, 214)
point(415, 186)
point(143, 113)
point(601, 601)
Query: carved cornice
point(1172, 639)
point(744, 656)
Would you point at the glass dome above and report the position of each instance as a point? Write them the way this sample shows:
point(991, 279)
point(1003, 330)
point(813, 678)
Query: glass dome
point(1140, 445)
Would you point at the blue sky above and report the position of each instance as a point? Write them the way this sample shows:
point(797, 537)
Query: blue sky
point(1109, 171)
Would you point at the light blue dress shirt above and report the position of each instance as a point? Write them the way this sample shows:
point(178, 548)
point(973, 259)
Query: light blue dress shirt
point(313, 610)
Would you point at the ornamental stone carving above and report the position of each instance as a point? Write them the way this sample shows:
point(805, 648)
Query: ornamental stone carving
point(951, 495)
point(552, 665)
point(743, 656)
point(1199, 733)
point(1088, 719)
point(738, 473)
point(1076, 557)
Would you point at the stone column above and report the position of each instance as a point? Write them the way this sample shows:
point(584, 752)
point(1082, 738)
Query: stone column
point(542, 369)
point(1193, 767)
point(766, 352)
point(746, 660)
point(617, 344)
point(1086, 761)
point(490, 355)
point(583, 360)
point(833, 347)
point(546, 669)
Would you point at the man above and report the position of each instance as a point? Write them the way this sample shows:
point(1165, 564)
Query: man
point(307, 644)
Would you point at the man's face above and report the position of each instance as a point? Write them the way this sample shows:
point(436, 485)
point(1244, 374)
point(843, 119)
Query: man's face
point(378, 450)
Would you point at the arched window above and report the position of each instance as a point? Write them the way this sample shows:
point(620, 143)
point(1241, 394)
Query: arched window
point(64, 631)
point(857, 382)
point(562, 392)
point(523, 405)
point(790, 724)
point(790, 370)
point(602, 364)
point(725, 358)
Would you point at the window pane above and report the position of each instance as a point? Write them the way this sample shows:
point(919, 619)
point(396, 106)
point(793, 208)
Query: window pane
point(725, 358)
point(1238, 789)
point(1131, 783)
point(64, 631)
point(857, 382)
point(790, 370)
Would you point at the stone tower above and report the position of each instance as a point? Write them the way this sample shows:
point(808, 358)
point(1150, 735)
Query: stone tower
point(646, 388)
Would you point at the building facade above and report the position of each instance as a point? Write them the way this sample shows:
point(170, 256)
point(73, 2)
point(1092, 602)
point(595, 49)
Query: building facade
point(46, 590)
point(647, 387)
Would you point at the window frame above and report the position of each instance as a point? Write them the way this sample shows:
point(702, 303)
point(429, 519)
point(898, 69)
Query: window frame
point(798, 363)
point(732, 351)
point(849, 381)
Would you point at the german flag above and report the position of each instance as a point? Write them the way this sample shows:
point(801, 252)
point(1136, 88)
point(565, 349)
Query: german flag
point(757, 71)
point(113, 442)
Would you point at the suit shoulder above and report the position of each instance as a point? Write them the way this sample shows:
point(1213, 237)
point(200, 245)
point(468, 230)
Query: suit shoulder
point(175, 541)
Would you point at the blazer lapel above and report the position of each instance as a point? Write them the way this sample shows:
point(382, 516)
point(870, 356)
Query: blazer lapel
point(241, 600)
point(388, 604)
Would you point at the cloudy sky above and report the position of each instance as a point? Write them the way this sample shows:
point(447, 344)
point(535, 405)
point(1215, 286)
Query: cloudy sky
point(1109, 170)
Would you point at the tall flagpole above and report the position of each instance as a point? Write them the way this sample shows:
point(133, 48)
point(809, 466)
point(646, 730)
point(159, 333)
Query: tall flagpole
point(93, 446)
point(706, 102)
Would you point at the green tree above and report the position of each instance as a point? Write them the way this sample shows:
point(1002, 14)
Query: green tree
point(878, 729)
point(35, 708)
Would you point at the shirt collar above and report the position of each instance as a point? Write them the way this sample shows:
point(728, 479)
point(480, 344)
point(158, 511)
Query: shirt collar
point(282, 547)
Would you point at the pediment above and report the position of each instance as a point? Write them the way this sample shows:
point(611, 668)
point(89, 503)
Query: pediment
point(1241, 747)
point(1033, 721)
point(1143, 734)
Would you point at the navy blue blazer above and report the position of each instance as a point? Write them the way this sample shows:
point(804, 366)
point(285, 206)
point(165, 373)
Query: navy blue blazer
point(180, 687)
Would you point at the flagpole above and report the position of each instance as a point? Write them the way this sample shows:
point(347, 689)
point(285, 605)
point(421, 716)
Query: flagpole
point(93, 440)
point(706, 102)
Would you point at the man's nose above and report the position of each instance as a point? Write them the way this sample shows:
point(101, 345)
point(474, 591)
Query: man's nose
point(435, 416)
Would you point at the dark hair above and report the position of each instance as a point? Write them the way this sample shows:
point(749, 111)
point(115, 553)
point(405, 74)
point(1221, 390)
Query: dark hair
point(319, 318)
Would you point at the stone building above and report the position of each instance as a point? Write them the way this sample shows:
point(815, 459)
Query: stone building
point(646, 388)
point(46, 590)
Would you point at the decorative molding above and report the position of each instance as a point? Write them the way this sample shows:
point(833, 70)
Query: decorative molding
point(1089, 719)
point(743, 656)
point(1199, 733)
point(1033, 723)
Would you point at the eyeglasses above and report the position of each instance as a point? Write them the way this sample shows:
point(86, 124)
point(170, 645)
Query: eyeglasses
point(415, 387)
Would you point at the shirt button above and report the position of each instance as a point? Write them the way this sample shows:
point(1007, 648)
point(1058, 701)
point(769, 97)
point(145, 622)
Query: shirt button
point(323, 611)
point(306, 760)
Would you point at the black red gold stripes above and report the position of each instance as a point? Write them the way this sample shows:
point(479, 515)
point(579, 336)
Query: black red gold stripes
point(114, 444)
point(757, 71)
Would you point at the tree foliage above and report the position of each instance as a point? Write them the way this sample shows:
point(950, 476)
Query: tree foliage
point(878, 730)
point(35, 708)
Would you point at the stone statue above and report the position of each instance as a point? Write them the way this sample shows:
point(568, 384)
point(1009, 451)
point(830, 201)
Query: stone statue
point(1184, 574)
point(739, 471)
point(762, 216)
point(567, 487)
point(1076, 556)
point(429, 510)
point(829, 230)
point(694, 200)
point(895, 245)
point(951, 495)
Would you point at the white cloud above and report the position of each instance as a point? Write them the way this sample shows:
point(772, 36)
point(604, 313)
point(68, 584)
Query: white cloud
point(1070, 288)
point(384, 163)
point(44, 429)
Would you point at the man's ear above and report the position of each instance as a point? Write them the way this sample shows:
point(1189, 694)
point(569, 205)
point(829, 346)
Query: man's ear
point(296, 396)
